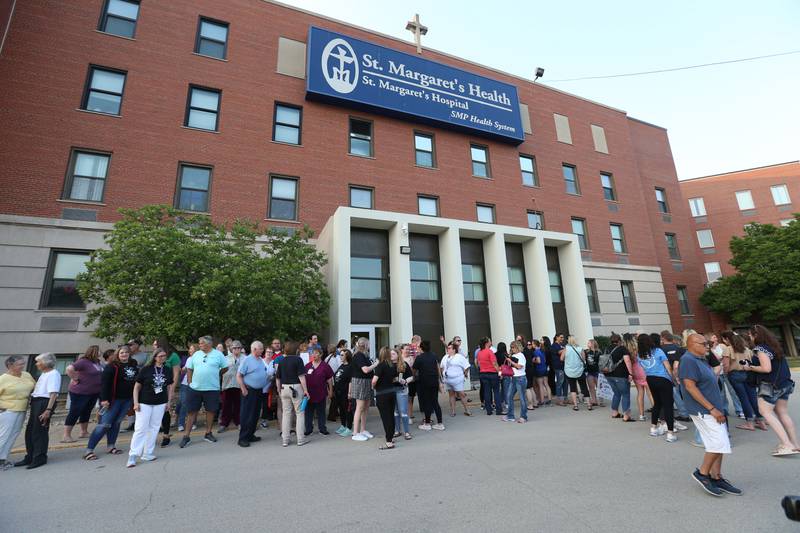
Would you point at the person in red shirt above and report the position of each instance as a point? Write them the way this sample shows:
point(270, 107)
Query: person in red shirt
point(319, 382)
point(490, 377)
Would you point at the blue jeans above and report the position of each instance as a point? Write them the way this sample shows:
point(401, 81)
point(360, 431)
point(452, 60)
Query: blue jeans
point(490, 382)
point(726, 386)
point(505, 384)
point(745, 393)
point(401, 411)
point(517, 384)
point(679, 405)
point(622, 392)
point(109, 423)
point(183, 405)
point(561, 384)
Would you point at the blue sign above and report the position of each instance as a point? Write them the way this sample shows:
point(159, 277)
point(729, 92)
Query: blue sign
point(348, 70)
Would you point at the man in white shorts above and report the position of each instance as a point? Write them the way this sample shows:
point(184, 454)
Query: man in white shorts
point(704, 403)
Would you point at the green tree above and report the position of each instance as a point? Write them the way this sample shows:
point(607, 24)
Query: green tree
point(766, 285)
point(182, 276)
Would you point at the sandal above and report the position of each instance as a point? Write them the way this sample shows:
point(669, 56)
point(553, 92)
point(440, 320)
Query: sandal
point(452, 414)
point(783, 450)
point(387, 447)
point(745, 426)
point(590, 407)
point(575, 408)
point(67, 441)
point(467, 413)
point(628, 420)
point(396, 434)
point(616, 416)
point(408, 436)
point(90, 456)
point(114, 451)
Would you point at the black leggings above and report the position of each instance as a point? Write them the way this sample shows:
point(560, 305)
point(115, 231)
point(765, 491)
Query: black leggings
point(346, 411)
point(662, 400)
point(429, 401)
point(574, 383)
point(386, 404)
point(166, 421)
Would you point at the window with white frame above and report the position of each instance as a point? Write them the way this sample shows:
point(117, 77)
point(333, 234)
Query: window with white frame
point(705, 239)
point(780, 194)
point(697, 206)
point(713, 271)
point(745, 200)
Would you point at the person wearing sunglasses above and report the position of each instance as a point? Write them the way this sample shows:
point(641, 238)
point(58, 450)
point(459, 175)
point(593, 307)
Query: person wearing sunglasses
point(203, 371)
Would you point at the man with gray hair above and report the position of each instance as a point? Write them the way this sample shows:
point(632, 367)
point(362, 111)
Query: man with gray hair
point(203, 372)
point(253, 377)
point(43, 402)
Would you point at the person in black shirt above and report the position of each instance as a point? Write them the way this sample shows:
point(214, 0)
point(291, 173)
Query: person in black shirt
point(558, 368)
point(341, 387)
point(361, 389)
point(291, 382)
point(619, 379)
point(385, 383)
point(674, 353)
point(592, 357)
point(428, 377)
point(152, 392)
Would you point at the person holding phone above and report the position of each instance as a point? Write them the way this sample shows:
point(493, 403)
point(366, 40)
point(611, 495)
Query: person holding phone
point(517, 384)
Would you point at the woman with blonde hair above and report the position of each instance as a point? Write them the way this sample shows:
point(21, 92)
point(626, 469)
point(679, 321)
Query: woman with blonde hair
point(401, 418)
point(84, 389)
point(574, 369)
point(637, 372)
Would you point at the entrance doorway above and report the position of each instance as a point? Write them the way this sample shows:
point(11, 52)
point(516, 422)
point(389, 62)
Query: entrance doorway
point(378, 335)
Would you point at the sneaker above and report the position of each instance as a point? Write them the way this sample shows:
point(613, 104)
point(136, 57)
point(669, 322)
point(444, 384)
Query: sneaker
point(740, 415)
point(184, 442)
point(306, 433)
point(707, 483)
point(7, 465)
point(654, 432)
point(682, 418)
point(264, 424)
point(244, 443)
point(679, 427)
point(131, 461)
point(697, 444)
point(367, 434)
point(165, 442)
point(324, 432)
point(339, 431)
point(506, 419)
point(222, 429)
point(194, 427)
point(522, 420)
point(360, 437)
point(347, 432)
point(209, 437)
point(725, 486)
point(671, 437)
point(425, 427)
point(181, 429)
point(662, 428)
point(438, 427)
point(285, 444)
point(148, 458)
point(254, 438)
point(303, 443)
point(642, 418)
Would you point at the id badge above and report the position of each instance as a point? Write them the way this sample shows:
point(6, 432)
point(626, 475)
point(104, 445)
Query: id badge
point(158, 390)
point(310, 371)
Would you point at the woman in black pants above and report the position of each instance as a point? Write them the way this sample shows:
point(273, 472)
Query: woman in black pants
point(659, 378)
point(429, 382)
point(341, 386)
point(384, 382)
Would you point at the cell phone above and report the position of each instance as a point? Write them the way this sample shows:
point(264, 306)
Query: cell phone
point(744, 362)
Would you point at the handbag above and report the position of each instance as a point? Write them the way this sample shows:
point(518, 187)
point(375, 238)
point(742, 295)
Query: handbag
point(506, 371)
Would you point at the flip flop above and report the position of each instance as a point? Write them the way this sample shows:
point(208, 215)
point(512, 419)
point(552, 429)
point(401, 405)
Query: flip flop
point(385, 447)
point(114, 451)
point(748, 428)
point(90, 456)
point(467, 413)
point(408, 436)
point(66, 441)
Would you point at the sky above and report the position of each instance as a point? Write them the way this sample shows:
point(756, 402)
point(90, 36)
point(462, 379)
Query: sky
point(719, 118)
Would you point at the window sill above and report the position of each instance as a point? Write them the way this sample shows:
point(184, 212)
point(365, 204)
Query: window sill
point(98, 113)
point(286, 144)
point(690, 315)
point(532, 186)
point(426, 167)
point(200, 129)
point(487, 178)
point(574, 194)
point(623, 254)
point(115, 35)
point(187, 212)
point(210, 57)
point(615, 202)
point(361, 156)
point(282, 221)
point(81, 202)
point(674, 260)
point(61, 309)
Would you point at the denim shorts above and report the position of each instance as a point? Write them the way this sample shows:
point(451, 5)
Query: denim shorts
point(780, 394)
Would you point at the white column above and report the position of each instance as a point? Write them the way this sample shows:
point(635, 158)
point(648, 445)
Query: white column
point(498, 295)
point(400, 330)
point(453, 313)
point(538, 284)
point(337, 245)
point(577, 304)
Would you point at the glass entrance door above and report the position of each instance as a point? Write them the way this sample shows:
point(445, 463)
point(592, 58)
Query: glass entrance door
point(378, 335)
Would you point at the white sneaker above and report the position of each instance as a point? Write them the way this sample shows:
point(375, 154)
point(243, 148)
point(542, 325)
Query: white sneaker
point(148, 458)
point(671, 437)
point(439, 427)
point(367, 434)
point(181, 429)
point(131, 461)
point(360, 437)
point(653, 432)
point(425, 427)
point(662, 428)
point(642, 418)
point(680, 427)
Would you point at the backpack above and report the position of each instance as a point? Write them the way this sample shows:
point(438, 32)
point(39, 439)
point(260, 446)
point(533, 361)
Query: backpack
point(606, 363)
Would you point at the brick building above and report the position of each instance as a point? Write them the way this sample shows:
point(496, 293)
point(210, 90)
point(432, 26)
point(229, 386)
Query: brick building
point(571, 220)
point(722, 205)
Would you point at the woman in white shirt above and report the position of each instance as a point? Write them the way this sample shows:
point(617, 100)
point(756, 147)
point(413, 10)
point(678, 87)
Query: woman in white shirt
point(518, 383)
point(454, 370)
point(43, 401)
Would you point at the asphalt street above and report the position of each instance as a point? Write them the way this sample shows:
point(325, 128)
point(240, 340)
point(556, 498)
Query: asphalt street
point(563, 471)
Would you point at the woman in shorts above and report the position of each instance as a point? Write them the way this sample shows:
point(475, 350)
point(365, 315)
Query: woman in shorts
point(454, 370)
point(637, 373)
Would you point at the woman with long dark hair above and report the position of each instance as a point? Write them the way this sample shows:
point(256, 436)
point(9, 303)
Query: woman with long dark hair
point(173, 366)
point(619, 376)
point(151, 395)
point(506, 373)
point(736, 350)
point(385, 383)
point(775, 385)
point(84, 389)
point(341, 385)
point(659, 378)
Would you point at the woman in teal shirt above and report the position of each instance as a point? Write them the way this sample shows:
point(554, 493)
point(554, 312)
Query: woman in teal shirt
point(575, 370)
point(659, 378)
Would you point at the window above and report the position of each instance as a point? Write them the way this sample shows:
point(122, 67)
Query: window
point(591, 295)
point(672, 245)
point(423, 150)
point(283, 198)
point(485, 213)
point(360, 137)
point(87, 175)
point(119, 17)
point(202, 110)
point(607, 182)
point(628, 297)
point(556, 294)
point(713, 272)
point(618, 239)
point(361, 197)
point(368, 280)
point(786, 221)
point(474, 290)
point(61, 288)
point(535, 220)
point(424, 280)
point(527, 166)
point(683, 300)
point(480, 160)
point(288, 120)
point(705, 239)
point(570, 179)
point(428, 205)
point(661, 200)
point(697, 206)
point(745, 200)
point(212, 38)
point(780, 194)
point(516, 284)
point(104, 91)
point(579, 229)
point(193, 186)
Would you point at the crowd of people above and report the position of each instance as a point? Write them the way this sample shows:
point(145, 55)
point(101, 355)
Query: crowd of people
point(687, 378)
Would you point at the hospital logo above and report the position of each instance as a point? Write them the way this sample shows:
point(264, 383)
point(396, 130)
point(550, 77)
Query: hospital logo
point(340, 66)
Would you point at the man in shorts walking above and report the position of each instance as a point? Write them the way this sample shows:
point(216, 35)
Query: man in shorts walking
point(203, 372)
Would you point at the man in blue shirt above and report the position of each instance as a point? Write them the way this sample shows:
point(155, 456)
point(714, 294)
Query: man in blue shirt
point(203, 372)
point(253, 378)
point(704, 403)
point(558, 368)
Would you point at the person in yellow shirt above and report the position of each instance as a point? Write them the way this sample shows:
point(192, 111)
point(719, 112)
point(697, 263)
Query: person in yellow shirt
point(15, 393)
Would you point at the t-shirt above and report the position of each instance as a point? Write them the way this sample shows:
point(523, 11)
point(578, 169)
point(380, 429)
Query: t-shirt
point(672, 352)
point(520, 359)
point(173, 360)
point(47, 383)
point(486, 360)
point(555, 356)
point(360, 360)
point(427, 367)
point(736, 357)
point(290, 368)
point(386, 374)
point(341, 378)
point(255, 372)
point(654, 365)
point(205, 369)
point(780, 375)
point(453, 367)
point(618, 353)
point(118, 380)
point(541, 366)
point(592, 361)
point(698, 370)
point(89, 374)
point(155, 384)
point(16, 391)
point(573, 364)
point(317, 380)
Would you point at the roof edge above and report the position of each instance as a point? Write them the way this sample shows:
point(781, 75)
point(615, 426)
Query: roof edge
point(742, 170)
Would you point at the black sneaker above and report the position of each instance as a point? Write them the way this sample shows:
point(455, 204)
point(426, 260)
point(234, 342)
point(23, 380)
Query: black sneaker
point(306, 433)
point(324, 432)
point(184, 442)
point(244, 444)
point(209, 437)
point(707, 483)
point(165, 442)
point(683, 418)
point(254, 438)
point(725, 486)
